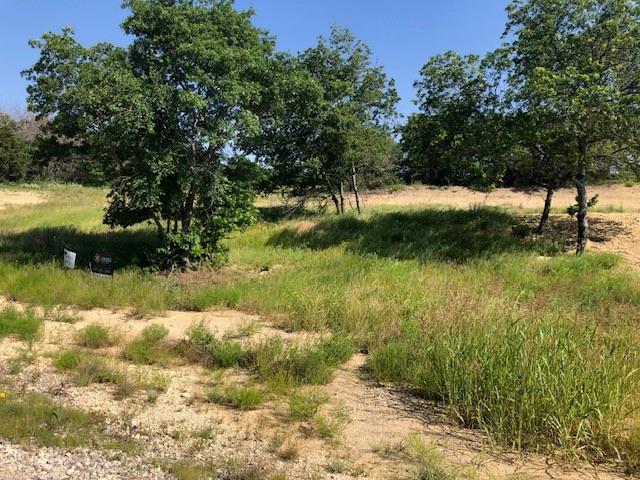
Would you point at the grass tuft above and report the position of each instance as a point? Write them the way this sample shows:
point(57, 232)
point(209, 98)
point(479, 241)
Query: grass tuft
point(236, 396)
point(149, 348)
point(23, 325)
point(95, 336)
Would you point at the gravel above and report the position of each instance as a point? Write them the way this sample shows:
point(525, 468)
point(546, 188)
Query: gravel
point(19, 463)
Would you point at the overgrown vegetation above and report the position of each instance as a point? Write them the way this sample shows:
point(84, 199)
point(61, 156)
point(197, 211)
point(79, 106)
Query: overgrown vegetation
point(95, 336)
point(148, 348)
point(34, 419)
point(272, 360)
point(23, 325)
point(474, 317)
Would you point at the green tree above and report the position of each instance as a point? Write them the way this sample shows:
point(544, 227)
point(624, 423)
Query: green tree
point(166, 112)
point(577, 61)
point(333, 100)
point(14, 152)
point(459, 135)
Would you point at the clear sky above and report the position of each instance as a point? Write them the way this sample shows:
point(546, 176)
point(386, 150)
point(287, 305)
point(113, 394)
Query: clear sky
point(403, 34)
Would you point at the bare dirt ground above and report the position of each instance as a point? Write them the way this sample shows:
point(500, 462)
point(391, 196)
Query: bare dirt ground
point(11, 198)
point(610, 196)
point(374, 443)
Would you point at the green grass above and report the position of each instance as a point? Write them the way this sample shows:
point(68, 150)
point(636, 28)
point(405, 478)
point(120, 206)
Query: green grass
point(539, 352)
point(272, 360)
point(23, 325)
point(304, 404)
point(95, 336)
point(34, 419)
point(237, 396)
point(149, 348)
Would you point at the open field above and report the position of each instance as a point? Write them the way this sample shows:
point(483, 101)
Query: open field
point(415, 341)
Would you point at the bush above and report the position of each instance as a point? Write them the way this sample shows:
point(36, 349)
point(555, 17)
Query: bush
point(95, 336)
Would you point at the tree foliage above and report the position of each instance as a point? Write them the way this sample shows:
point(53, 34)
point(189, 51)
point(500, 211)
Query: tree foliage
point(576, 62)
point(14, 152)
point(459, 135)
point(334, 116)
point(166, 113)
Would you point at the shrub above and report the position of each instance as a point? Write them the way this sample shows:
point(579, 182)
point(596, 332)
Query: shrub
point(95, 336)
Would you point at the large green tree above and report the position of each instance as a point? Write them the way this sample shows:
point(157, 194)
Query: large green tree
point(166, 112)
point(333, 121)
point(14, 152)
point(459, 135)
point(578, 63)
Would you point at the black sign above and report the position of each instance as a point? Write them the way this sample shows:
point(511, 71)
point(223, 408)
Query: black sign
point(102, 265)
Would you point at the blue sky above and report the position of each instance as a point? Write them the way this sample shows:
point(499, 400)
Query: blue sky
point(403, 34)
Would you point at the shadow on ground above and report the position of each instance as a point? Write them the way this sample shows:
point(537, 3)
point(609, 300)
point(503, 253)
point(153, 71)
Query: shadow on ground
point(561, 229)
point(128, 247)
point(426, 235)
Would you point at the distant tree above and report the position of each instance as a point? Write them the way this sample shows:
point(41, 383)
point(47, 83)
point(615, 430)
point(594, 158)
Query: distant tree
point(14, 152)
point(576, 61)
point(459, 135)
point(539, 158)
point(166, 113)
point(333, 102)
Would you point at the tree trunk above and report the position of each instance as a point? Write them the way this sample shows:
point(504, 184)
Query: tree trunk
point(354, 184)
point(341, 197)
point(333, 195)
point(583, 207)
point(187, 209)
point(547, 210)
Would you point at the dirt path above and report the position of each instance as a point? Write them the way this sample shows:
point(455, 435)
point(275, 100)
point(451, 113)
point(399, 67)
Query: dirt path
point(375, 443)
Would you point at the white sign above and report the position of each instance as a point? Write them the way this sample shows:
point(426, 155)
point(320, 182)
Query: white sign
point(69, 259)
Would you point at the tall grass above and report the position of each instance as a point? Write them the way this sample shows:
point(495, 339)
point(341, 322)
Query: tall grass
point(536, 348)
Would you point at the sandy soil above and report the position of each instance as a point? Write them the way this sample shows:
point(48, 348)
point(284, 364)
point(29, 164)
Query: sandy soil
point(10, 198)
point(373, 444)
point(610, 196)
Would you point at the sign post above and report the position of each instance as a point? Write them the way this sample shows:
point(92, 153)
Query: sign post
point(69, 259)
point(102, 265)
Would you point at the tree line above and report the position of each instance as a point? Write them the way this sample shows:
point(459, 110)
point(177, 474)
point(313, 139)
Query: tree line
point(201, 112)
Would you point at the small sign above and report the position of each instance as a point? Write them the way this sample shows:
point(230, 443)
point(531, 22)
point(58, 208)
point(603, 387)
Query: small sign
point(102, 265)
point(69, 259)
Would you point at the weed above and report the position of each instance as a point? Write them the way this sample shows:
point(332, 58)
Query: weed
point(95, 336)
point(23, 325)
point(336, 465)
point(59, 315)
point(25, 356)
point(429, 462)
point(330, 426)
point(304, 404)
point(67, 360)
point(149, 348)
point(240, 397)
point(34, 418)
